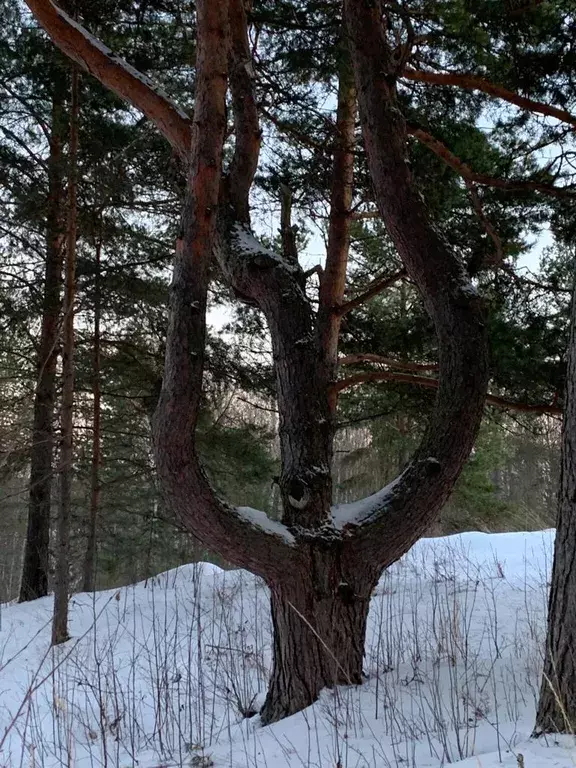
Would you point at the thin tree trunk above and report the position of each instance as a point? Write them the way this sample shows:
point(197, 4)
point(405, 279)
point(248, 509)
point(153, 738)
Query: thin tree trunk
point(557, 705)
point(333, 280)
point(89, 576)
point(62, 585)
point(34, 582)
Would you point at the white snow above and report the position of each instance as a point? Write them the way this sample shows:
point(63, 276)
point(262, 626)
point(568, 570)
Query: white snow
point(261, 520)
point(249, 244)
point(469, 289)
point(358, 512)
point(156, 673)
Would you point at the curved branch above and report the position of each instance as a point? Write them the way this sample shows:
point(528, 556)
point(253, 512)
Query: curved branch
point(242, 536)
point(431, 383)
point(115, 73)
point(464, 170)
point(373, 290)
point(394, 521)
point(475, 83)
point(367, 357)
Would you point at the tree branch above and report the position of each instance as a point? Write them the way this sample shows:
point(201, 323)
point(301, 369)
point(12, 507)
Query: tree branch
point(373, 290)
point(367, 357)
point(475, 83)
point(392, 521)
point(464, 170)
point(115, 73)
point(432, 383)
point(241, 536)
point(246, 122)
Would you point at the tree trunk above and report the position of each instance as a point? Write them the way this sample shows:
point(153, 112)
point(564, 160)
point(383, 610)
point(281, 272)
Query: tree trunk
point(557, 705)
point(320, 563)
point(319, 626)
point(62, 581)
point(36, 550)
point(333, 280)
point(89, 574)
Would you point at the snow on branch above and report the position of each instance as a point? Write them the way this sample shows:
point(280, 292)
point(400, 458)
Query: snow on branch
point(260, 520)
point(247, 245)
point(360, 512)
point(115, 73)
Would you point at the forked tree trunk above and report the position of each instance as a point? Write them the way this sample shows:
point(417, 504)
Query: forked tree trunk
point(557, 705)
point(320, 573)
point(62, 578)
point(35, 567)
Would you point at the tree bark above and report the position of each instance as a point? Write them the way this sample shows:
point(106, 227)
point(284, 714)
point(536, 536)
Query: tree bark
point(319, 623)
point(557, 704)
point(89, 570)
point(34, 582)
point(448, 295)
point(333, 279)
point(62, 580)
point(320, 573)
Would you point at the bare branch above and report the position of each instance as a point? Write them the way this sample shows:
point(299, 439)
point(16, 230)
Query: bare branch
point(316, 270)
point(373, 290)
point(431, 383)
point(475, 83)
point(367, 357)
point(464, 170)
point(115, 73)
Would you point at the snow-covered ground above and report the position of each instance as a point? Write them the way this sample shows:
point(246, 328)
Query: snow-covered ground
point(163, 673)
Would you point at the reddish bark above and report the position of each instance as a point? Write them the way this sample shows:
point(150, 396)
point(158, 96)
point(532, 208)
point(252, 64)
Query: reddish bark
point(333, 280)
point(464, 170)
point(114, 72)
point(475, 83)
point(432, 383)
point(320, 577)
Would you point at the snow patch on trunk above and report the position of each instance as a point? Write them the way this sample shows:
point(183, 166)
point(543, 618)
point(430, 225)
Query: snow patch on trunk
point(359, 512)
point(261, 520)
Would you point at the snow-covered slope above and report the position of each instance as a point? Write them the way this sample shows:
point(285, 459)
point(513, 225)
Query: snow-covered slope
point(161, 673)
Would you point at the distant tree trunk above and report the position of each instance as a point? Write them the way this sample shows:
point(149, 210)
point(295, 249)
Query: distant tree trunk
point(557, 705)
point(333, 279)
point(34, 582)
point(62, 580)
point(89, 574)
